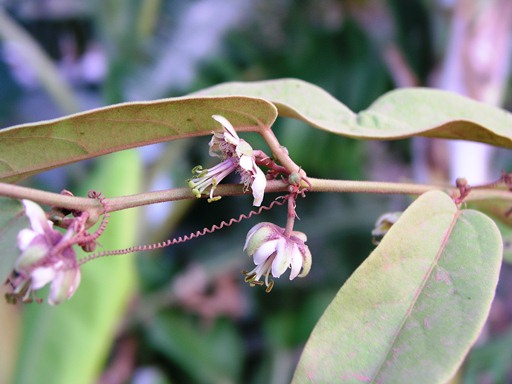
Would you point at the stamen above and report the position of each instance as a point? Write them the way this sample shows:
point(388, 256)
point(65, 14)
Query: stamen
point(266, 280)
point(211, 178)
point(270, 286)
point(249, 277)
point(198, 169)
point(11, 298)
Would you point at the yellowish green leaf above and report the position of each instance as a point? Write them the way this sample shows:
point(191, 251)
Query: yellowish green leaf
point(398, 114)
point(413, 309)
point(31, 148)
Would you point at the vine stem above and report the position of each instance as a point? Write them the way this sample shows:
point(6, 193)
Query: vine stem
point(95, 209)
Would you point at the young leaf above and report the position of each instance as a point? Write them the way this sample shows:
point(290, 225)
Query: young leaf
point(413, 309)
point(395, 115)
point(31, 148)
point(12, 220)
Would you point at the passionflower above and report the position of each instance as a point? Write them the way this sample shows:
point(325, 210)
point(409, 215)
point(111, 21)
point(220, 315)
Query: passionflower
point(44, 259)
point(273, 253)
point(237, 156)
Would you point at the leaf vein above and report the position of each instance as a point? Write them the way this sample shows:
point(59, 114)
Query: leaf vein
point(418, 293)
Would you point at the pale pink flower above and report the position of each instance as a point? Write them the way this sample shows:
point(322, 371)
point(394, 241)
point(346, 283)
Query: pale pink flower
point(237, 156)
point(37, 265)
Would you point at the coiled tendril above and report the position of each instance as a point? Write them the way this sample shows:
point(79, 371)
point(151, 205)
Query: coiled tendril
point(182, 239)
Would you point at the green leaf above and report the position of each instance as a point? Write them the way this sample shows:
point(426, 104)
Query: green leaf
point(31, 148)
point(12, 220)
point(398, 114)
point(69, 343)
point(413, 309)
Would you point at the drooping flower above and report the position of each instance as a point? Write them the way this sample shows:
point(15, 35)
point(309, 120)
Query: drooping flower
point(383, 225)
point(44, 259)
point(237, 156)
point(273, 253)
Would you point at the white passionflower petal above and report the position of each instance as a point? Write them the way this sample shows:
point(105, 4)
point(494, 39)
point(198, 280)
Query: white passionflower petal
point(25, 237)
point(64, 285)
point(296, 262)
point(263, 269)
point(37, 217)
point(250, 235)
point(259, 234)
point(258, 186)
point(230, 135)
point(265, 251)
point(247, 163)
point(306, 261)
point(244, 149)
point(283, 257)
point(33, 254)
point(300, 235)
point(41, 276)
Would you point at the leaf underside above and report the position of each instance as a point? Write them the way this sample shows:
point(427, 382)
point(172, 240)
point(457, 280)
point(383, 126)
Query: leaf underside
point(398, 114)
point(413, 309)
point(32, 148)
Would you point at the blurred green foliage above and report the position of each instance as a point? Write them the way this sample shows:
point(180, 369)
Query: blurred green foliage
point(193, 319)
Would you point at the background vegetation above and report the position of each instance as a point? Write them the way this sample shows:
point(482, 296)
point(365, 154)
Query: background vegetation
point(184, 314)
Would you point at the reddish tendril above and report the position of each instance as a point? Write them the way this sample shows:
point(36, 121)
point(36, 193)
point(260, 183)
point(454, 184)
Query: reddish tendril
point(83, 239)
point(104, 221)
point(182, 239)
